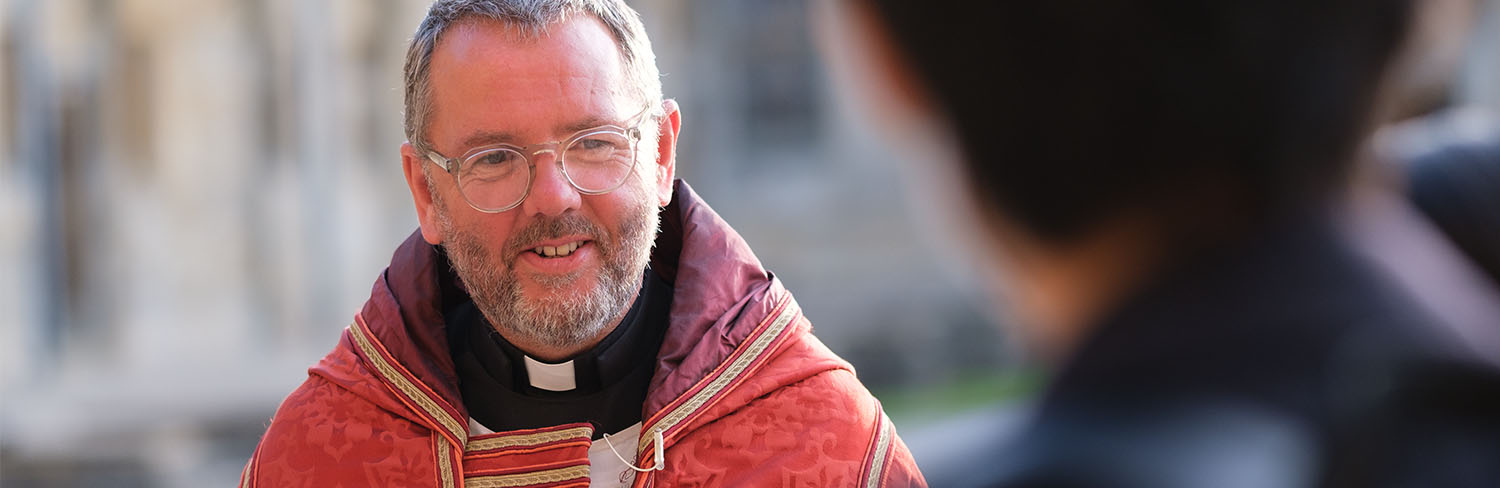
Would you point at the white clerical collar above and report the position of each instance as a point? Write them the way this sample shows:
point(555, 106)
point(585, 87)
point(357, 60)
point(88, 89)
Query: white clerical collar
point(550, 377)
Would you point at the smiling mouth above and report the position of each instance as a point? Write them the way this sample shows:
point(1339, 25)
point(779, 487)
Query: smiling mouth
point(562, 251)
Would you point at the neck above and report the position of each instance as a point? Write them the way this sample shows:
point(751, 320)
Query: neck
point(1061, 291)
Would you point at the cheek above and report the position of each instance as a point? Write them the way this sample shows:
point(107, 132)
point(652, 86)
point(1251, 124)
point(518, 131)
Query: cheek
point(647, 168)
point(641, 188)
point(647, 171)
point(656, 186)
point(487, 230)
point(612, 210)
point(609, 209)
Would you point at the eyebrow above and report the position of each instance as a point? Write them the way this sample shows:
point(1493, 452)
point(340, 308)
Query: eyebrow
point(587, 123)
point(484, 137)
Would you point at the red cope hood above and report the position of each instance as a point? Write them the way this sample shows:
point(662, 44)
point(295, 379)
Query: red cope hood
point(722, 293)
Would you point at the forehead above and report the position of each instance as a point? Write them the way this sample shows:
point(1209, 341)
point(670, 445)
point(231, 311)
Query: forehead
point(487, 76)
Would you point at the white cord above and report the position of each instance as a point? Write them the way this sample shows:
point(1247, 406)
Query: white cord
point(660, 458)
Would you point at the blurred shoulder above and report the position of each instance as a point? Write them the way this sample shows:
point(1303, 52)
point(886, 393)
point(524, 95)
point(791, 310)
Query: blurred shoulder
point(1176, 446)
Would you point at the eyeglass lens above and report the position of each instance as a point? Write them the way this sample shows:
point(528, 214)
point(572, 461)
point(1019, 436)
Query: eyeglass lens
point(594, 163)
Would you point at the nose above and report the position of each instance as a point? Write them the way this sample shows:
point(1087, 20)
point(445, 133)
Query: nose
point(551, 194)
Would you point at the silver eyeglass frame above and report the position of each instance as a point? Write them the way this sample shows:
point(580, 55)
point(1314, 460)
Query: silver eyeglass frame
point(631, 129)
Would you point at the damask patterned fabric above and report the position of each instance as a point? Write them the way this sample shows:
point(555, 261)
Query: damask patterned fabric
point(743, 394)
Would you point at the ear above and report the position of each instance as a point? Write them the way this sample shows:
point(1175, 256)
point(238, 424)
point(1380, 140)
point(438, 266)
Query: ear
point(666, 151)
point(411, 164)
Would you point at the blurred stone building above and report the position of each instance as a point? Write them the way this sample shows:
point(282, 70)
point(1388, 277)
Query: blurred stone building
point(197, 195)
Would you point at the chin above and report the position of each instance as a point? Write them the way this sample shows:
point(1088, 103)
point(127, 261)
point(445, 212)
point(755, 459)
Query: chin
point(547, 286)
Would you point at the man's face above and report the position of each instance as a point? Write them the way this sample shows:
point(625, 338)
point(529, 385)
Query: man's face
point(491, 86)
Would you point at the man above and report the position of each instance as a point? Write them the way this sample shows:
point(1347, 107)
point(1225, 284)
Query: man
point(1156, 184)
point(539, 330)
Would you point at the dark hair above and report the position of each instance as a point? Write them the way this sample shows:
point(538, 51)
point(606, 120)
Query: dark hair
point(1068, 110)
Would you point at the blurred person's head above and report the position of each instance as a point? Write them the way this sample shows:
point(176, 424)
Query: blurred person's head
point(1096, 141)
point(549, 240)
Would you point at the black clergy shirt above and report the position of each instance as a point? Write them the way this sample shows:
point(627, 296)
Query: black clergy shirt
point(610, 378)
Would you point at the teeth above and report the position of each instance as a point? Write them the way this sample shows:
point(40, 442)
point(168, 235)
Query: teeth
point(557, 251)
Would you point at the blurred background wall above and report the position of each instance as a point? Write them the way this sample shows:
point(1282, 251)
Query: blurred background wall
point(195, 197)
point(198, 195)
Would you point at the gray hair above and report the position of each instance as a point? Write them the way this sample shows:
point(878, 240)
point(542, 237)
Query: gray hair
point(530, 18)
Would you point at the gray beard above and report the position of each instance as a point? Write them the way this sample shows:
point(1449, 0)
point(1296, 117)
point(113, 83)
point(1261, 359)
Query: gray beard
point(555, 319)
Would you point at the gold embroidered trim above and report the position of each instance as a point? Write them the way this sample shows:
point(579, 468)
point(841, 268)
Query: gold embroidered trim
point(247, 476)
point(406, 386)
point(445, 463)
point(882, 444)
point(728, 376)
point(523, 479)
point(514, 440)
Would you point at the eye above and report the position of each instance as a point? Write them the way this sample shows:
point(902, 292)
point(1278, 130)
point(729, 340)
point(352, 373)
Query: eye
point(494, 165)
point(599, 145)
point(495, 158)
point(595, 144)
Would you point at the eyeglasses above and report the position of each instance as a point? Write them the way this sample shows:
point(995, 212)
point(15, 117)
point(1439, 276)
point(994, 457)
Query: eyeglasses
point(496, 178)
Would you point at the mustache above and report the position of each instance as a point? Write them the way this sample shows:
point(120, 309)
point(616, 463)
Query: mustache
point(550, 228)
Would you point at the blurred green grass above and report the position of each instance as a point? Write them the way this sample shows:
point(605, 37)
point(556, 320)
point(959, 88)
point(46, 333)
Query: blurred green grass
point(918, 404)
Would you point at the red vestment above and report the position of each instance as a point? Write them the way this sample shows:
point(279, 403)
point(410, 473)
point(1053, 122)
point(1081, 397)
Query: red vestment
point(742, 394)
